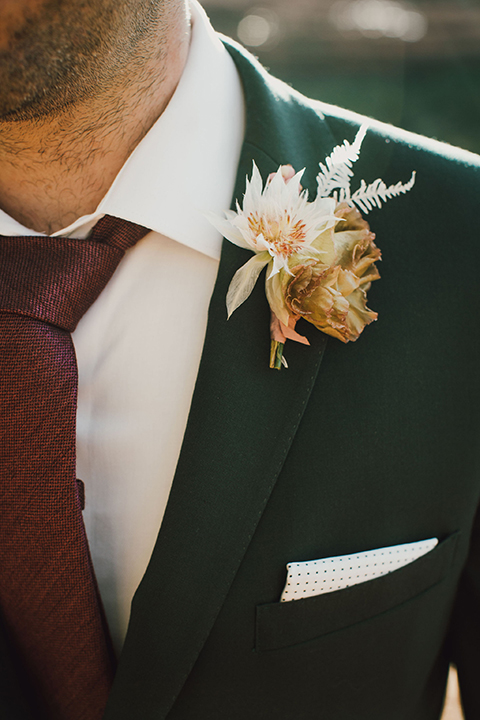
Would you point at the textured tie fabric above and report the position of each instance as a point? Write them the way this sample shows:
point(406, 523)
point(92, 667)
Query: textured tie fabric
point(49, 599)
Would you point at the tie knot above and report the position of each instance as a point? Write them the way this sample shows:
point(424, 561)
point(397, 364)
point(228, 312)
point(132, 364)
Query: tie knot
point(55, 280)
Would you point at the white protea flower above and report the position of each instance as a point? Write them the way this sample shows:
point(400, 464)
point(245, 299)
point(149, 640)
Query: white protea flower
point(276, 220)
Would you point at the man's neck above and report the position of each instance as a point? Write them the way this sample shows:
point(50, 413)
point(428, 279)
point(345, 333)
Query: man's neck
point(54, 170)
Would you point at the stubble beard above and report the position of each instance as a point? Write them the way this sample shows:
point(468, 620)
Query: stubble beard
point(71, 51)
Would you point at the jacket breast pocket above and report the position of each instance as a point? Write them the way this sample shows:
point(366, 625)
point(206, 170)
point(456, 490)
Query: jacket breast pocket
point(283, 624)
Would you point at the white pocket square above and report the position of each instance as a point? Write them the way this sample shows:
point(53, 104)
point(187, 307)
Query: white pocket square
point(315, 577)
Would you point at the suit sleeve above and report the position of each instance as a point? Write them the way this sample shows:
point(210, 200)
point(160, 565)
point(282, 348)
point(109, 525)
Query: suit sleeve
point(465, 630)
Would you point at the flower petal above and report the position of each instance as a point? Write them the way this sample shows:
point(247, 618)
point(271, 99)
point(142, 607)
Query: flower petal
point(290, 332)
point(281, 332)
point(244, 281)
point(276, 298)
point(253, 191)
point(229, 231)
point(325, 242)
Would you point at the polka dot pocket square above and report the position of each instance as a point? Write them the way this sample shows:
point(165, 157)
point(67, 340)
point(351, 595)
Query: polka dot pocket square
point(315, 577)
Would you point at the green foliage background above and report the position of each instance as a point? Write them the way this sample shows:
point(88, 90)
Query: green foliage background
point(434, 93)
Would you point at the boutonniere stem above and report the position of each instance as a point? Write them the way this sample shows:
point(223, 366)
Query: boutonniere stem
point(276, 354)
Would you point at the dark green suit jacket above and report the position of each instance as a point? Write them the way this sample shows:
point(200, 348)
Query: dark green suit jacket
point(354, 447)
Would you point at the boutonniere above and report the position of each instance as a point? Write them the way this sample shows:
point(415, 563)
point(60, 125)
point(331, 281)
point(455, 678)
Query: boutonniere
point(320, 255)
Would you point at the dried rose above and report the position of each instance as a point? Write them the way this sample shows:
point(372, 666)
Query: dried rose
point(334, 297)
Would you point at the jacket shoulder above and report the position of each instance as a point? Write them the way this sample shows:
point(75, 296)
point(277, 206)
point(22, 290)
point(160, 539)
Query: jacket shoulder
point(283, 106)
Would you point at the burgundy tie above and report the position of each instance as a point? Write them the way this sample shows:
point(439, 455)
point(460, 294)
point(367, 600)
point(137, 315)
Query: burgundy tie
point(49, 598)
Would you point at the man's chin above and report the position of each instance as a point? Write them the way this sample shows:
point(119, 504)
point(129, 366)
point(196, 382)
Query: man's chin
point(30, 109)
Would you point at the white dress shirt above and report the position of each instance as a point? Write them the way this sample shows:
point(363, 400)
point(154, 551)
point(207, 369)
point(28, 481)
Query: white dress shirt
point(139, 346)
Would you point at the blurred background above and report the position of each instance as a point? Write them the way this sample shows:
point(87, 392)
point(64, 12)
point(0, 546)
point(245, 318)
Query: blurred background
point(413, 64)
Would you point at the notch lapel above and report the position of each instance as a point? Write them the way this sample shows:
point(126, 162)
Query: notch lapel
point(241, 424)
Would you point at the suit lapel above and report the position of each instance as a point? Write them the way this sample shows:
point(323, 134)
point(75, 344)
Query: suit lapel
point(242, 421)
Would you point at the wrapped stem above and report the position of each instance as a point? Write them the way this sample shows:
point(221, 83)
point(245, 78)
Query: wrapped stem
point(276, 354)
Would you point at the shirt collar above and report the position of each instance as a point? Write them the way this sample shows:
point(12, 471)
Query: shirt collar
point(186, 164)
